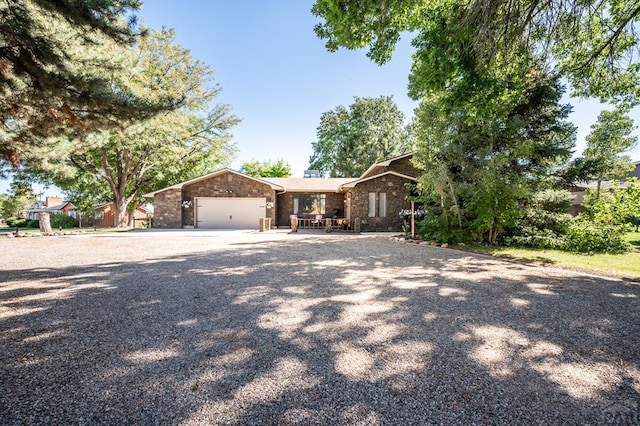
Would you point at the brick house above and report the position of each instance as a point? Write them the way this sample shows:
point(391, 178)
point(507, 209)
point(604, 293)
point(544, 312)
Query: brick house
point(227, 199)
point(51, 205)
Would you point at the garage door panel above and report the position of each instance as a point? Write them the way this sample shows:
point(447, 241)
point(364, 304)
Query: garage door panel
point(229, 213)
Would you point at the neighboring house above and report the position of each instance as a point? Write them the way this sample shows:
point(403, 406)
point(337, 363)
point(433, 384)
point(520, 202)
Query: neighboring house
point(580, 190)
point(52, 205)
point(105, 216)
point(227, 199)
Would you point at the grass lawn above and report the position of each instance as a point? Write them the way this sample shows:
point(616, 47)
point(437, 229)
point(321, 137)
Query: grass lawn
point(626, 265)
point(4, 229)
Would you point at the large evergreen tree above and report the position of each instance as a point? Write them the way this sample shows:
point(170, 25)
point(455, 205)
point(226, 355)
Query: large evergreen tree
point(57, 63)
point(122, 164)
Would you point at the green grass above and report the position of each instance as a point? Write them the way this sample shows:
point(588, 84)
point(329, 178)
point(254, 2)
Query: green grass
point(4, 228)
point(626, 265)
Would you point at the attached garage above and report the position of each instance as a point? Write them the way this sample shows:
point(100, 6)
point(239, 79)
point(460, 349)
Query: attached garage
point(229, 212)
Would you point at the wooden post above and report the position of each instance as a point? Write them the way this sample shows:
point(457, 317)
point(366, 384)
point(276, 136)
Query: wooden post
point(413, 221)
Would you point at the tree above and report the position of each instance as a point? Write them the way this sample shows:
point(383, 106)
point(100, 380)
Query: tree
point(594, 44)
point(266, 168)
point(56, 71)
point(156, 152)
point(19, 197)
point(482, 161)
point(350, 140)
point(610, 137)
point(617, 207)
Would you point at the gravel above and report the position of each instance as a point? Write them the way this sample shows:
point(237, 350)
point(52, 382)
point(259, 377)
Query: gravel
point(203, 327)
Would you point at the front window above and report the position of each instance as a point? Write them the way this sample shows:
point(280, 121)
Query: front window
point(382, 204)
point(372, 204)
point(309, 204)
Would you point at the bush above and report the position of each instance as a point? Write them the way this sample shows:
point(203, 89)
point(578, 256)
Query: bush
point(16, 222)
point(588, 237)
point(536, 238)
point(33, 223)
point(60, 220)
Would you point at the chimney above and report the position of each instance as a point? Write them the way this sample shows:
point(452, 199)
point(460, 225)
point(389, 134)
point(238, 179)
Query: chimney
point(52, 201)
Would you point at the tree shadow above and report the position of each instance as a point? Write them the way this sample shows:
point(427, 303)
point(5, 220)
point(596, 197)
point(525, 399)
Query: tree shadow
point(316, 331)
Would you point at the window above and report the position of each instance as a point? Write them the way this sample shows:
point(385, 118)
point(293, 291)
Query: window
point(309, 204)
point(372, 204)
point(382, 204)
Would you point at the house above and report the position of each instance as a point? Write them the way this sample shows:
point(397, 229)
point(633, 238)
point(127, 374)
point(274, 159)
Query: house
point(579, 191)
point(105, 216)
point(227, 199)
point(52, 205)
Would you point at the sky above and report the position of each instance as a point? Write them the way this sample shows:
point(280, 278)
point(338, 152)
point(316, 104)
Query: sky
point(279, 78)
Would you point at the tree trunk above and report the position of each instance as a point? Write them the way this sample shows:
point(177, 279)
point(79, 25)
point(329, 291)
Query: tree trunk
point(121, 213)
point(45, 223)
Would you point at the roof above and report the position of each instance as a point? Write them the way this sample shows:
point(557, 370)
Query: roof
point(210, 175)
point(385, 163)
point(309, 184)
point(355, 182)
point(54, 208)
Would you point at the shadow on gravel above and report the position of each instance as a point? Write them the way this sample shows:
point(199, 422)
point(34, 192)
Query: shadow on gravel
point(316, 332)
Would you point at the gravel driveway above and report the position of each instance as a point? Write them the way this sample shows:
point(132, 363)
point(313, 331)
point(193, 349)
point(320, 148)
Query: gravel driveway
point(195, 327)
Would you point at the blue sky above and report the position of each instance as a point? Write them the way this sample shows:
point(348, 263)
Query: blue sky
point(279, 78)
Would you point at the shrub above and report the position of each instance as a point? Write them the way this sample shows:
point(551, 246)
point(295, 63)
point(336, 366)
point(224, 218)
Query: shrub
point(16, 222)
point(536, 238)
point(33, 223)
point(588, 237)
point(544, 221)
point(60, 220)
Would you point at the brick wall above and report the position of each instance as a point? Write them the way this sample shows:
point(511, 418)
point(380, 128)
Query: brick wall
point(404, 166)
point(167, 207)
point(396, 191)
point(228, 185)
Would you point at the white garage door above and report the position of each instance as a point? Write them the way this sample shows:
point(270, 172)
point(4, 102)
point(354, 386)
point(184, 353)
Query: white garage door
point(229, 213)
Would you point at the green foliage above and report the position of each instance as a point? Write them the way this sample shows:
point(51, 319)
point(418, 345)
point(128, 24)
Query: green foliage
point(593, 43)
point(618, 206)
point(17, 222)
point(481, 162)
point(266, 168)
point(58, 61)
point(544, 222)
point(350, 140)
point(20, 197)
point(119, 165)
point(63, 221)
point(610, 137)
point(585, 236)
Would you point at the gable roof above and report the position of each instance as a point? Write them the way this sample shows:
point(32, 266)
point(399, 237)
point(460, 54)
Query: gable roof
point(385, 163)
point(210, 175)
point(355, 182)
point(55, 208)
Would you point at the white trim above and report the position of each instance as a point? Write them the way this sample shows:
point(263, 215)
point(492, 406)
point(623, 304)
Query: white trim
point(386, 163)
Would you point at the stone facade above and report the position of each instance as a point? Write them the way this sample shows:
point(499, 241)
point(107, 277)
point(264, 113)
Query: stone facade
point(397, 192)
point(170, 213)
point(403, 166)
point(167, 209)
point(229, 185)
